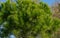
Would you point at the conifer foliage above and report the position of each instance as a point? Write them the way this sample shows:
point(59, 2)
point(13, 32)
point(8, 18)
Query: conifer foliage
point(27, 19)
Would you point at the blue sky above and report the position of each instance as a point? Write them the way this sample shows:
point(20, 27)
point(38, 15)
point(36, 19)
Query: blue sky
point(49, 2)
point(2, 0)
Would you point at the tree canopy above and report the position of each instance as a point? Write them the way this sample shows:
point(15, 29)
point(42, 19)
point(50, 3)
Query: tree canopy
point(27, 19)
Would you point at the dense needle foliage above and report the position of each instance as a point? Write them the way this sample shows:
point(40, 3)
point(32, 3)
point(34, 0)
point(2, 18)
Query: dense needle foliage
point(27, 19)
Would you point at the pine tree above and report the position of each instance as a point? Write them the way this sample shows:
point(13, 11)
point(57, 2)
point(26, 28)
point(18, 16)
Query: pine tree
point(27, 19)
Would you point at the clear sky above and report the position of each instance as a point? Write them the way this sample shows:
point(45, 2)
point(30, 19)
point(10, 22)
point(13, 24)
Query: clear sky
point(2, 0)
point(49, 2)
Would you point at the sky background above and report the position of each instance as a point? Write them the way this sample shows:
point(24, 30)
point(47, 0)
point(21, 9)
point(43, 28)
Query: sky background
point(49, 2)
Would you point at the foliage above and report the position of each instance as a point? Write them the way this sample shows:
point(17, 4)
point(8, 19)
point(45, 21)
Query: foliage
point(27, 19)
